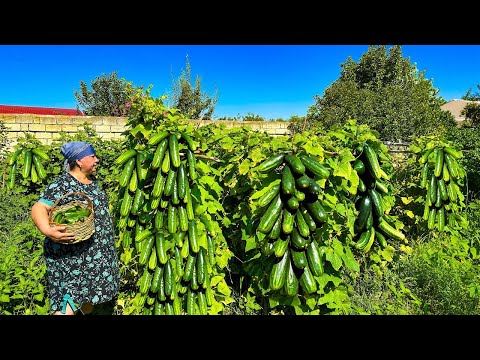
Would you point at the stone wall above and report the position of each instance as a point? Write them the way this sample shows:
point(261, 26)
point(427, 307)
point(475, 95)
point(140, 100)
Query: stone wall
point(47, 127)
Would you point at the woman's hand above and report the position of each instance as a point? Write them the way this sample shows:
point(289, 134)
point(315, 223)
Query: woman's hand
point(55, 233)
point(58, 234)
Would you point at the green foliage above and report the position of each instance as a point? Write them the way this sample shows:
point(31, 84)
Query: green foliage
point(109, 96)
point(471, 111)
point(443, 276)
point(467, 139)
point(23, 289)
point(25, 185)
point(472, 96)
point(374, 293)
point(149, 116)
point(386, 92)
point(298, 124)
point(429, 273)
point(3, 137)
point(189, 99)
point(252, 117)
point(241, 151)
point(437, 275)
point(414, 197)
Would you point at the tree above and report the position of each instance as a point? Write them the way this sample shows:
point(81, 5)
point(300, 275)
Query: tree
point(252, 117)
point(471, 111)
point(472, 97)
point(190, 100)
point(109, 96)
point(385, 91)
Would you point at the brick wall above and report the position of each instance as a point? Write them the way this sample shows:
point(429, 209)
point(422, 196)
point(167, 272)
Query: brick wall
point(47, 127)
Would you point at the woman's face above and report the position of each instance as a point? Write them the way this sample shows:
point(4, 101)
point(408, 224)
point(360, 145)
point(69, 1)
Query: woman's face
point(88, 164)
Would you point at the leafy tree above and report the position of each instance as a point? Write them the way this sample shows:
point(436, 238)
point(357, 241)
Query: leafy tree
point(110, 96)
point(298, 124)
point(471, 111)
point(189, 99)
point(385, 91)
point(472, 97)
point(252, 117)
point(467, 139)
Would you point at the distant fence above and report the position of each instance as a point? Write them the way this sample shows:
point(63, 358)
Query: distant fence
point(397, 147)
point(47, 127)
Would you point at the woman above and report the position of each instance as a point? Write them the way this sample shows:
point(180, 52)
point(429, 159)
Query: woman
point(86, 273)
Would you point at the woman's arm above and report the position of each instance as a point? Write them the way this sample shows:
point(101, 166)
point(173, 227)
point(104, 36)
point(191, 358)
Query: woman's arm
point(40, 218)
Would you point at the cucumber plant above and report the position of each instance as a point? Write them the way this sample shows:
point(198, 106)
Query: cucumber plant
point(293, 212)
point(27, 160)
point(441, 179)
point(165, 217)
point(372, 223)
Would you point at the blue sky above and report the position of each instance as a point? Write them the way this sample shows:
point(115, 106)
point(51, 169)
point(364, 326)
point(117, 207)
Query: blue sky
point(273, 81)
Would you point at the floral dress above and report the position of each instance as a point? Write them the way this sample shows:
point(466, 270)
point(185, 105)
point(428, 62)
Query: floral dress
point(88, 270)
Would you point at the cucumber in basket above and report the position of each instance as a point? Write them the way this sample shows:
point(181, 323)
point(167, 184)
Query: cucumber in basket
point(71, 215)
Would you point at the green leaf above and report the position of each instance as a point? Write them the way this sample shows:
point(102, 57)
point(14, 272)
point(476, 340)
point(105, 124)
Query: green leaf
point(334, 259)
point(244, 167)
point(213, 207)
point(4, 298)
point(349, 260)
point(216, 308)
point(227, 143)
point(314, 150)
point(311, 303)
point(203, 167)
point(226, 221)
point(343, 170)
point(340, 208)
point(208, 180)
point(325, 278)
point(330, 197)
point(223, 288)
point(215, 280)
point(140, 129)
point(256, 155)
point(410, 214)
point(204, 194)
point(414, 148)
point(387, 253)
point(250, 243)
point(222, 260)
point(273, 301)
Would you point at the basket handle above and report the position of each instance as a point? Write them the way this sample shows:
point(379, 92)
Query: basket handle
point(90, 204)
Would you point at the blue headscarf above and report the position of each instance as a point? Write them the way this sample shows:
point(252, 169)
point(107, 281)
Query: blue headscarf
point(75, 150)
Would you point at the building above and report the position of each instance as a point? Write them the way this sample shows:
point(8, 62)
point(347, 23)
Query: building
point(13, 109)
point(455, 107)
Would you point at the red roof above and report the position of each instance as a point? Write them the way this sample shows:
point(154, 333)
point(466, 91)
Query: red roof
point(11, 109)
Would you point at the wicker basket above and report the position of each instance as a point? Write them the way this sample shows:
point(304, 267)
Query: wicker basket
point(83, 230)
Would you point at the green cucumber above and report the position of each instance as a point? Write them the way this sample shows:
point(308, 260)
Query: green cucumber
point(278, 273)
point(314, 259)
point(288, 181)
point(295, 164)
point(390, 231)
point(314, 166)
point(270, 215)
point(271, 163)
point(439, 158)
point(299, 258)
